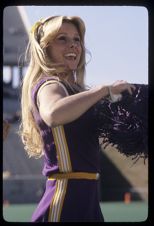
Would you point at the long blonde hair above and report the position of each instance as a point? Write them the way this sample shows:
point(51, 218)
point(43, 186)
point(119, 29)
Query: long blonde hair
point(41, 33)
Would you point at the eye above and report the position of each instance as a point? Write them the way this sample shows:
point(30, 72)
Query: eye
point(77, 40)
point(61, 39)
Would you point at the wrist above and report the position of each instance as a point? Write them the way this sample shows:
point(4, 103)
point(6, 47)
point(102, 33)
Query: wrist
point(113, 97)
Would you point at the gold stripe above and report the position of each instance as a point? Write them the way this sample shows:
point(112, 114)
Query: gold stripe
point(58, 200)
point(51, 204)
point(64, 161)
point(67, 151)
point(75, 175)
point(62, 199)
point(57, 149)
point(62, 150)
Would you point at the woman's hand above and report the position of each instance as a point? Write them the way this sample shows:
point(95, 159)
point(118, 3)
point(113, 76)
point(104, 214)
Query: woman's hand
point(120, 86)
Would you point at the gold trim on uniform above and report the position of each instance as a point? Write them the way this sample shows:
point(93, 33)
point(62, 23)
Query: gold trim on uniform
point(62, 149)
point(75, 175)
point(58, 200)
point(64, 164)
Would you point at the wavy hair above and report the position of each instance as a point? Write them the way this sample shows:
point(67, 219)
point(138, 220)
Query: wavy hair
point(40, 66)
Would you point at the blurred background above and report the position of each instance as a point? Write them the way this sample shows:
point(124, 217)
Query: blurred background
point(121, 36)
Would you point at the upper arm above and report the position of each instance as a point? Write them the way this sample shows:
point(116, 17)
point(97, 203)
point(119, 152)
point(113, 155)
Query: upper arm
point(48, 94)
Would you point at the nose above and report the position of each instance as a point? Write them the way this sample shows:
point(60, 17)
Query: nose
point(72, 43)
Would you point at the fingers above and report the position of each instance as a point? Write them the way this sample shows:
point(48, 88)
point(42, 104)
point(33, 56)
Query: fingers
point(131, 88)
point(121, 85)
point(106, 144)
point(127, 86)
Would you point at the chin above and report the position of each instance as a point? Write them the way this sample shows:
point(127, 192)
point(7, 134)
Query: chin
point(72, 67)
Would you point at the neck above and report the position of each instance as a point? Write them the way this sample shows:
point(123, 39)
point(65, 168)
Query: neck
point(68, 76)
point(71, 77)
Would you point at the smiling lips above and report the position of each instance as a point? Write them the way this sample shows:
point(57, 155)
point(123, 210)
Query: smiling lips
point(71, 56)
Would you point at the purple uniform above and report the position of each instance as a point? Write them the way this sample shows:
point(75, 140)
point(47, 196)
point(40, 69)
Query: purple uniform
point(69, 149)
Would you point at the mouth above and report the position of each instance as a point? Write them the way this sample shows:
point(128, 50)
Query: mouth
point(70, 56)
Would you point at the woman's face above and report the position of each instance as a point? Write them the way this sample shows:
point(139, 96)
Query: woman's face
point(66, 47)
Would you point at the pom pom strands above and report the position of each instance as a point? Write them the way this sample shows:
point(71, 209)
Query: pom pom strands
point(125, 123)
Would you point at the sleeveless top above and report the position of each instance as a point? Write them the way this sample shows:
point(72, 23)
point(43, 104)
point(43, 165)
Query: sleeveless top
point(72, 147)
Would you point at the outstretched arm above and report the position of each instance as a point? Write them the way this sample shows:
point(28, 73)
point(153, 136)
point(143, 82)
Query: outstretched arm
point(57, 109)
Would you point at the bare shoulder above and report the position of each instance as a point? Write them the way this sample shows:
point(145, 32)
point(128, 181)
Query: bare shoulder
point(52, 90)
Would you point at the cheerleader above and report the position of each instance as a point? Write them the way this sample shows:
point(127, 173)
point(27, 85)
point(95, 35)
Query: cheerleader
point(62, 120)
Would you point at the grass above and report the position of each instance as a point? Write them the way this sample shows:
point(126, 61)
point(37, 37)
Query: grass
point(112, 211)
point(121, 212)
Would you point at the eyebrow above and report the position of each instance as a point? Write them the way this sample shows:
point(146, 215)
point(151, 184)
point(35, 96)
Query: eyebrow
point(64, 33)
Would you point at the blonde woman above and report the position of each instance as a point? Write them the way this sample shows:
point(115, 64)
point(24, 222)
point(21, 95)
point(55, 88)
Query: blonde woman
point(58, 120)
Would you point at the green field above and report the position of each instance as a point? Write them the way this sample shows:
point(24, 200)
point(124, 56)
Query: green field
point(112, 211)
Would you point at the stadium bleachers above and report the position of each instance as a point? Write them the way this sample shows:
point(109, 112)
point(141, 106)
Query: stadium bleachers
point(22, 176)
